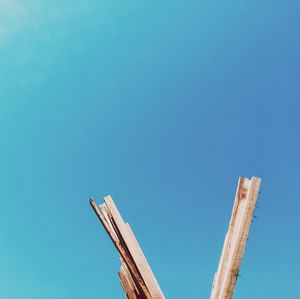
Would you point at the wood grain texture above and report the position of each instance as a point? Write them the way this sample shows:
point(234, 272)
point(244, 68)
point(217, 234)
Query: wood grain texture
point(136, 276)
point(236, 238)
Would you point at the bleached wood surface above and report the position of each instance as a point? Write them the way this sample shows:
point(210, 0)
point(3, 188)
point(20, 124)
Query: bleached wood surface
point(236, 238)
point(136, 276)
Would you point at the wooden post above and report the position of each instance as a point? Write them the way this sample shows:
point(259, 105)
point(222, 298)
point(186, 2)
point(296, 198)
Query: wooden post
point(236, 238)
point(135, 274)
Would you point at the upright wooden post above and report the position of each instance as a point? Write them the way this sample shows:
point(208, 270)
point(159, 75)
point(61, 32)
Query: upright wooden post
point(135, 274)
point(236, 238)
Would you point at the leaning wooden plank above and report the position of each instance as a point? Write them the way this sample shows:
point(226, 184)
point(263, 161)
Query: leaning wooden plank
point(143, 265)
point(129, 256)
point(138, 270)
point(109, 223)
point(236, 237)
point(135, 251)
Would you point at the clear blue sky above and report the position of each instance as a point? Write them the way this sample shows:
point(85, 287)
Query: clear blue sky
point(163, 105)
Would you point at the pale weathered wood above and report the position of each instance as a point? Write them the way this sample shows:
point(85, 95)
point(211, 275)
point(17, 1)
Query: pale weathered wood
point(143, 266)
point(236, 238)
point(136, 275)
point(108, 222)
point(131, 281)
point(127, 283)
point(124, 237)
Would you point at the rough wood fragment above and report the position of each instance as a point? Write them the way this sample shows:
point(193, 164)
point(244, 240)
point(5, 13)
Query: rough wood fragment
point(136, 276)
point(127, 283)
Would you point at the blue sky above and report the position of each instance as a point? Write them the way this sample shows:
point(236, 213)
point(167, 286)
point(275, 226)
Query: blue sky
point(163, 105)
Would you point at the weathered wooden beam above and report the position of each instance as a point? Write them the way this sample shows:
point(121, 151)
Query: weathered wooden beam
point(136, 275)
point(236, 238)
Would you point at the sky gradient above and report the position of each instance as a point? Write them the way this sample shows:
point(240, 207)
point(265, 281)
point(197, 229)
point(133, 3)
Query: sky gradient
point(163, 105)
